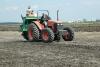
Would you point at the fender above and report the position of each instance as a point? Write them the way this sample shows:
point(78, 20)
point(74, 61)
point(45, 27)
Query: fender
point(39, 25)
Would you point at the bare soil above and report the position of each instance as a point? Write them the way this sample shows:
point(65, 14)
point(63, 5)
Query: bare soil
point(84, 51)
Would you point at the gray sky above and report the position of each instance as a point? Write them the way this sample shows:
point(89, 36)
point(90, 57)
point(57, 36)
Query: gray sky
point(10, 10)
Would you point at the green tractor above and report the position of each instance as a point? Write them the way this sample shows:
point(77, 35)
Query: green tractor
point(42, 28)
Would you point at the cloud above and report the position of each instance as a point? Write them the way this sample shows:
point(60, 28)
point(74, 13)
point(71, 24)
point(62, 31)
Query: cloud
point(35, 7)
point(11, 8)
point(90, 3)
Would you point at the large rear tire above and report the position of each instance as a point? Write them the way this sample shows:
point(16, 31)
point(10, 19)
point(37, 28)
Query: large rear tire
point(47, 35)
point(68, 35)
point(33, 32)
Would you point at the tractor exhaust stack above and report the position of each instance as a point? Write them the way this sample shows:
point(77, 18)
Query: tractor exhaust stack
point(57, 15)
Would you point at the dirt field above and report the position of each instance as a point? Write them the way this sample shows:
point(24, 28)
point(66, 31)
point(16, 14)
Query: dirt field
point(84, 51)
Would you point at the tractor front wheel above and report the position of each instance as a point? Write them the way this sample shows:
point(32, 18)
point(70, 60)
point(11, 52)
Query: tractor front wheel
point(47, 35)
point(68, 35)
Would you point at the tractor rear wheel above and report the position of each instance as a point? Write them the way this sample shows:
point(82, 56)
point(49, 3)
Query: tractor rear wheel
point(68, 35)
point(47, 35)
point(33, 32)
point(25, 35)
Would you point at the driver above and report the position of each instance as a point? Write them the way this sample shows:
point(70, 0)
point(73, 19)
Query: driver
point(44, 19)
point(47, 17)
point(30, 12)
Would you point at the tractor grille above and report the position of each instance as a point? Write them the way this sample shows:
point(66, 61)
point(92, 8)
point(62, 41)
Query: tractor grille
point(59, 26)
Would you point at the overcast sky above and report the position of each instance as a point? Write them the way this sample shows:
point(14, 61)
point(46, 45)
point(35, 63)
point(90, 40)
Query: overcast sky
point(10, 10)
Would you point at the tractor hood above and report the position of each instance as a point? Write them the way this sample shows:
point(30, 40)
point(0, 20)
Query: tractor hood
point(55, 21)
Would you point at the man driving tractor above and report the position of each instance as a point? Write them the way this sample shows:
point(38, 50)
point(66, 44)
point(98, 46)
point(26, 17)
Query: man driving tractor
point(30, 12)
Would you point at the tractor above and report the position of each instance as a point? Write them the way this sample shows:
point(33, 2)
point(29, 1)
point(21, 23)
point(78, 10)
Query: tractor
point(43, 28)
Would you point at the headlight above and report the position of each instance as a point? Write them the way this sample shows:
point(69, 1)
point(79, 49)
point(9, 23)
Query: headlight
point(59, 24)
